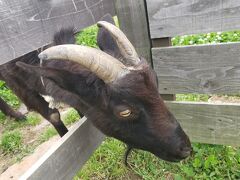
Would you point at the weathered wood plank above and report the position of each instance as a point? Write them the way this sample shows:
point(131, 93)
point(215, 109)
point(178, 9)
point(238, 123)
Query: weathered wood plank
point(210, 69)
point(132, 18)
point(169, 18)
point(164, 42)
point(161, 42)
point(209, 123)
point(29, 24)
point(69, 155)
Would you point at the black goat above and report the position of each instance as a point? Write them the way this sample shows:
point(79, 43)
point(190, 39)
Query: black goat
point(114, 88)
point(30, 87)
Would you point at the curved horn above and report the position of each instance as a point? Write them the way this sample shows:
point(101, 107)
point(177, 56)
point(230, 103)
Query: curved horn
point(125, 46)
point(103, 65)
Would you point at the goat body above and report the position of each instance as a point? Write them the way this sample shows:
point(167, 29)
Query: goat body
point(30, 87)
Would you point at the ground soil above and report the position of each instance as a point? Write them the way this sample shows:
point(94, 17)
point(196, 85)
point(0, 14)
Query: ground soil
point(224, 99)
point(10, 166)
point(15, 171)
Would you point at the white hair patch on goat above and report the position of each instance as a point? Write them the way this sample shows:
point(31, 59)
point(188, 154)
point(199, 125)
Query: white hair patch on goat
point(52, 103)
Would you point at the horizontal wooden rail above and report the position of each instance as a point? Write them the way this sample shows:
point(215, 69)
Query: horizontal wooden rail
point(64, 159)
point(171, 18)
point(27, 25)
point(209, 123)
point(210, 69)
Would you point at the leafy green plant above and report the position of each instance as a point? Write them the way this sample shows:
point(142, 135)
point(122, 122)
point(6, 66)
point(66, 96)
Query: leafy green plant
point(209, 38)
point(88, 37)
point(8, 96)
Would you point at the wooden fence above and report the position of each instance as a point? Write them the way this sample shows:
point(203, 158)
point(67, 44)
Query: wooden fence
point(206, 69)
point(26, 25)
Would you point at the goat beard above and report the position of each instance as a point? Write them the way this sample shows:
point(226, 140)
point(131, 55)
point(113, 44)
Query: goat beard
point(127, 152)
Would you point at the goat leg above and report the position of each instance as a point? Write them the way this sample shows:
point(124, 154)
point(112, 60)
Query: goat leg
point(54, 119)
point(37, 103)
point(7, 110)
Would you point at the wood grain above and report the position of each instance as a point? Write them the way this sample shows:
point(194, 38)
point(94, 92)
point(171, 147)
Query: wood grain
point(26, 25)
point(209, 123)
point(206, 69)
point(69, 155)
point(132, 18)
point(169, 18)
point(164, 42)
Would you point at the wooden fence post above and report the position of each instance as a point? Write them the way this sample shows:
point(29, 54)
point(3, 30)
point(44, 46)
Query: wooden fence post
point(164, 42)
point(133, 21)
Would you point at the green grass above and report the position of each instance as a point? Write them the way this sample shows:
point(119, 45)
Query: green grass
point(106, 163)
point(71, 117)
point(11, 141)
point(32, 119)
point(9, 124)
point(47, 134)
point(209, 162)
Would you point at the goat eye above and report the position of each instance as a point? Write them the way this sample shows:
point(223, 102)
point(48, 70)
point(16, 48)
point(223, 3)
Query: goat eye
point(125, 113)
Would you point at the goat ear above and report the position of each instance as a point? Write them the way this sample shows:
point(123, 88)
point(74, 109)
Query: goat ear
point(106, 42)
point(54, 74)
point(39, 71)
point(113, 41)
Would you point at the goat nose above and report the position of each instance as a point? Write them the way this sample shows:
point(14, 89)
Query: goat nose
point(186, 151)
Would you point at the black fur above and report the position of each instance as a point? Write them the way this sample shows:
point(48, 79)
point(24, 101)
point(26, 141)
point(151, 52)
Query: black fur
point(28, 86)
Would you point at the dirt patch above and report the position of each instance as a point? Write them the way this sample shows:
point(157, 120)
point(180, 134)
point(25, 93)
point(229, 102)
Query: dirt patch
point(131, 176)
point(224, 99)
point(30, 136)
